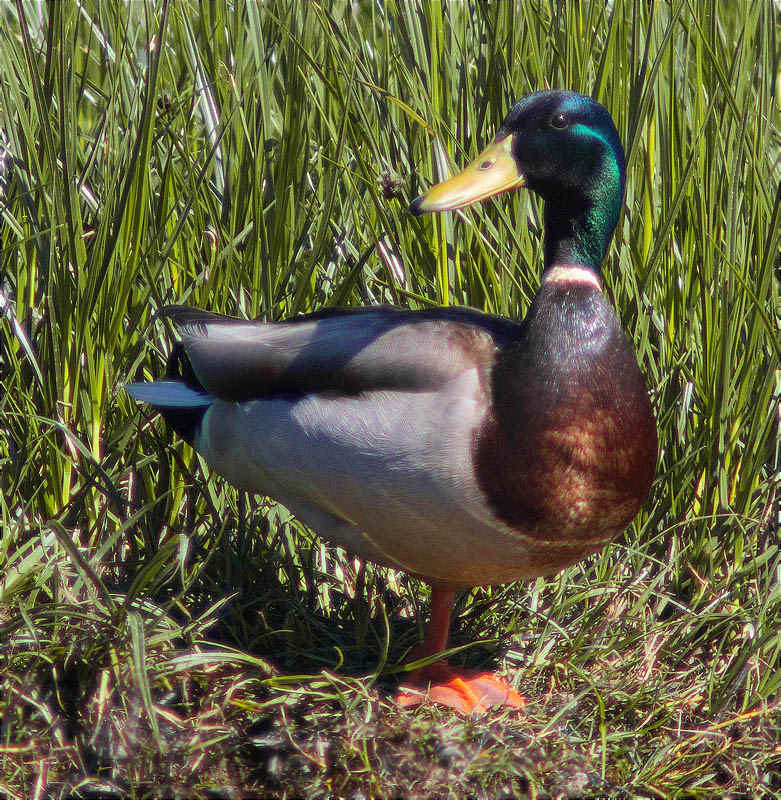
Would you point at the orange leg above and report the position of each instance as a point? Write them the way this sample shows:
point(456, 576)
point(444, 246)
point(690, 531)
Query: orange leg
point(464, 690)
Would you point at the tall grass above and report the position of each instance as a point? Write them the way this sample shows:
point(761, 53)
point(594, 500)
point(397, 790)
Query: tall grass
point(258, 159)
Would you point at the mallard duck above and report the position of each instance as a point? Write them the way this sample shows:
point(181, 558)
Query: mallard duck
point(464, 448)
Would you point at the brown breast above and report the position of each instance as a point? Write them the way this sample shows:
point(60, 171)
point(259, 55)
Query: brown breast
point(568, 451)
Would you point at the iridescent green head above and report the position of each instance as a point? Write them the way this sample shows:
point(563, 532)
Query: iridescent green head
point(565, 147)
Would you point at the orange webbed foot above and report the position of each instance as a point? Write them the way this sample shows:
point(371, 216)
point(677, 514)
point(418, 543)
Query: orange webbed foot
point(465, 691)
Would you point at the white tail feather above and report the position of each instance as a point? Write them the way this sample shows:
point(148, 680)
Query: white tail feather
point(168, 394)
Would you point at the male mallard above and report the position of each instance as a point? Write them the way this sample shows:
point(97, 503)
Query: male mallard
point(464, 448)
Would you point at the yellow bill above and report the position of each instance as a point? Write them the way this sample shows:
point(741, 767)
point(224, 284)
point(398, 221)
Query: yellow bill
point(492, 172)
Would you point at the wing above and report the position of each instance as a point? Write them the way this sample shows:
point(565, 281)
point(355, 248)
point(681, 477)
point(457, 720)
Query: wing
point(346, 352)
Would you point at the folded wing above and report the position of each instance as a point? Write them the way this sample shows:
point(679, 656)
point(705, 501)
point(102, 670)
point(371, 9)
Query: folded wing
point(343, 353)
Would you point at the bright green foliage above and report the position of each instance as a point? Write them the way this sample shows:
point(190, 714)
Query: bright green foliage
point(258, 159)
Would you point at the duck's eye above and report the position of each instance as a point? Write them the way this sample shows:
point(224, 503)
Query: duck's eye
point(559, 121)
point(488, 163)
